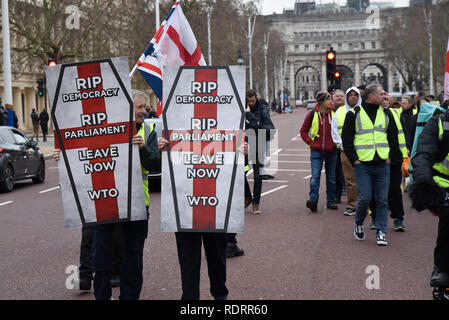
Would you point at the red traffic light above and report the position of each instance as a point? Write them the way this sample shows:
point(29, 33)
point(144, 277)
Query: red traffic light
point(330, 56)
point(337, 74)
point(51, 63)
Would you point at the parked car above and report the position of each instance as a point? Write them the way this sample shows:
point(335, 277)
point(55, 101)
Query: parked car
point(20, 158)
point(310, 104)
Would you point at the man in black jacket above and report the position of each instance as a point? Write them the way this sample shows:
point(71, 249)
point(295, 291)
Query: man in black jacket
point(372, 173)
point(257, 150)
point(431, 186)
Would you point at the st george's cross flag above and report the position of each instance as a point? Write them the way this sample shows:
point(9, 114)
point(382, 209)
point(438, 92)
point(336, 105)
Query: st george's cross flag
point(174, 44)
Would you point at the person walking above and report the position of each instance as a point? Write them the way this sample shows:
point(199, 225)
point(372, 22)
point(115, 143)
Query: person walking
point(352, 100)
point(257, 150)
point(316, 133)
point(430, 188)
point(369, 132)
point(338, 99)
point(35, 122)
point(43, 121)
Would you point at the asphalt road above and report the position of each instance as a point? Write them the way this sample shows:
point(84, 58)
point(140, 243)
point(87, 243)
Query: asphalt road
point(290, 253)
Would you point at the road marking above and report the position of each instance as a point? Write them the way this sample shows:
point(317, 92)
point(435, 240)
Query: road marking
point(308, 177)
point(295, 155)
point(276, 152)
point(288, 170)
point(271, 181)
point(249, 172)
point(274, 190)
point(297, 138)
point(51, 189)
point(290, 161)
point(52, 168)
point(5, 203)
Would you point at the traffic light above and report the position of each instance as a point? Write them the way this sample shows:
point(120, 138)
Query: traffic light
point(51, 63)
point(331, 64)
point(40, 87)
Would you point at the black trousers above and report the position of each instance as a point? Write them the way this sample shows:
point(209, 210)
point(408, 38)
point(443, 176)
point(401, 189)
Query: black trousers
point(441, 253)
point(395, 203)
point(189, 254)
point(339, 177)
point(131, 278)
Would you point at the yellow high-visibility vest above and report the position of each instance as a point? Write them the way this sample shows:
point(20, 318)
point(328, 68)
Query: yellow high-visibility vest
point(441, 169)
point(145, 172)
point(401, 135)
point(315, 127)
point(371, 138)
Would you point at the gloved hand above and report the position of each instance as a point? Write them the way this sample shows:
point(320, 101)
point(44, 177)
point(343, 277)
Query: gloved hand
point(426, 194)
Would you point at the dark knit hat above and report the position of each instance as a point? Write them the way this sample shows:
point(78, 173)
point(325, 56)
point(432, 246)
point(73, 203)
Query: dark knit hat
point(322, 96)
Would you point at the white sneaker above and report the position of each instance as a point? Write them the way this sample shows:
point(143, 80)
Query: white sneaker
point(381, 238)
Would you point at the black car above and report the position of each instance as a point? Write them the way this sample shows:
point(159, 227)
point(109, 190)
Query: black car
point(20, 158)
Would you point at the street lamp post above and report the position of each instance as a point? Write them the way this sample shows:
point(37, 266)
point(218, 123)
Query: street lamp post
point(240, 58)
point(209, 9)
point(7, 78)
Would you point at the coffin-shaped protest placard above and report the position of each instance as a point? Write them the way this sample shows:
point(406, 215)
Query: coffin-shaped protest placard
point(202, 168)
point(93, 116)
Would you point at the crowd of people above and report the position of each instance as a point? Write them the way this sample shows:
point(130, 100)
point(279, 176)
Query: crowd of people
point(369, 140)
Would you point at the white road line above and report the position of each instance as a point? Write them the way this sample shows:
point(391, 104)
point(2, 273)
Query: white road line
point(290, 162)
point(297, 138)
point(51, 189)
point(288, 170)
point(52, 168)
point(271, 181)
point(276, 152)
point(5, 203)
point(249, 172)
point(274, 190)
point(295, 155)
point(308, 177)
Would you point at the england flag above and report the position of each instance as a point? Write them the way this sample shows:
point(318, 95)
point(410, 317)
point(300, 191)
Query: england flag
point(174, 44)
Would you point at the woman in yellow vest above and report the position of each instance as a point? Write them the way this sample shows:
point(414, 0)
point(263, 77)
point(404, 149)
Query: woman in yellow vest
point(369, 132)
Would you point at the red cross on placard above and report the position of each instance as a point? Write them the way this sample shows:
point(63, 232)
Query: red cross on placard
point(106, 208)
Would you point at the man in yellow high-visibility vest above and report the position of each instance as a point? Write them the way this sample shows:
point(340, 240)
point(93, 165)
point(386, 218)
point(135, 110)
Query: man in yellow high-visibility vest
point(352, 100)
point(369, 132)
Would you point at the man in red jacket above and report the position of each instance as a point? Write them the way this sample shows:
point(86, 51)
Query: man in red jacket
point(316, 132)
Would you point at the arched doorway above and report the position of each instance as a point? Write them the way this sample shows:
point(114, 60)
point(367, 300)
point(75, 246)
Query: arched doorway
point(375, 73)
point(347, 77)
point(307, 83)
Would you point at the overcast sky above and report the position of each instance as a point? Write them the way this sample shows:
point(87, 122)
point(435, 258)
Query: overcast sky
point(270, 6)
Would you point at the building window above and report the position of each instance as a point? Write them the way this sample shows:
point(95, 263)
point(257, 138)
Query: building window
point(363, 45)
point(306, 48)
point(296, 48)
point(373, 44)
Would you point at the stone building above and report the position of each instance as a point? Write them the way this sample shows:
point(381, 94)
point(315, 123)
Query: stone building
point(311, 29)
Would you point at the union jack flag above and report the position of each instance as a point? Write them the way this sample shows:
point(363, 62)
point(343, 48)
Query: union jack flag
point(174, 44)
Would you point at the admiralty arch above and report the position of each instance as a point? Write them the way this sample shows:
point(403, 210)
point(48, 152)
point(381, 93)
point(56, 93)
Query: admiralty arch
point(354, 35)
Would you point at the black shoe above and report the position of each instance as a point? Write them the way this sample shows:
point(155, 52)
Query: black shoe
point(115, 281)
point(85, 284)
point(234, 251)
point(269, 176)
point(331, 205)
point(312, 205)
point(439, 278)
point(264, 177)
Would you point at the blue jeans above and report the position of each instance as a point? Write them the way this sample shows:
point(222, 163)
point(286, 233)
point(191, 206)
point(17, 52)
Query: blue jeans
point(316, 159)
point(372, 180)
